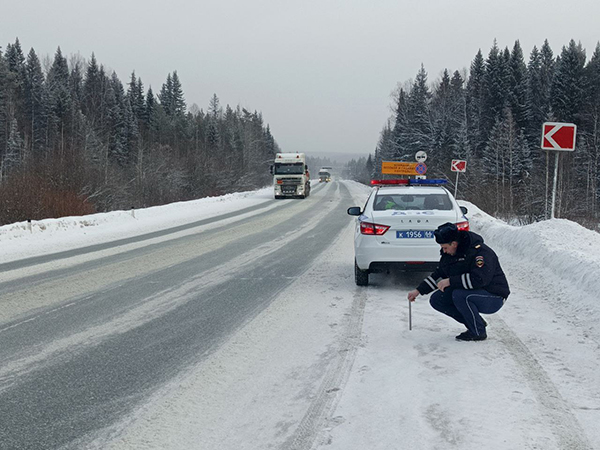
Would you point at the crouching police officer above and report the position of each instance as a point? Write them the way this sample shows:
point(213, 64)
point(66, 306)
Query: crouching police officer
point(469, 280)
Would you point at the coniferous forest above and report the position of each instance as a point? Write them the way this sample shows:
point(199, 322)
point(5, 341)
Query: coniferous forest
point(492, 116)
point(75, 139)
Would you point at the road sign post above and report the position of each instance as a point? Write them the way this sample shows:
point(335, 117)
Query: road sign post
point(554, 183)
point(458, 166)
point(558, 137)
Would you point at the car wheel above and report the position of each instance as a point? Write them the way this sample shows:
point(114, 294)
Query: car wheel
point(278, 197)
point(361, 277)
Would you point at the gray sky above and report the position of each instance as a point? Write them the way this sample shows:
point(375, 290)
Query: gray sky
point(321, 71)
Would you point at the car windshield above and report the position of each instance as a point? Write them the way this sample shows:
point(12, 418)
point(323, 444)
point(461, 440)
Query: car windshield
point(289, 169)
point(415, 202)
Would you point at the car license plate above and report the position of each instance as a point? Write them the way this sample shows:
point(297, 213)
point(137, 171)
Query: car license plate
point(414, 234)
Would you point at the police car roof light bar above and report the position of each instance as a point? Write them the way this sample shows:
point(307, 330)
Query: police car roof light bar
point(408, 182)
point(385, 182)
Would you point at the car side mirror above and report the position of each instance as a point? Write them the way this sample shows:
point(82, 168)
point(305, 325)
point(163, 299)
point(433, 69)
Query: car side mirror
point(271, 169)
point(464, 209)
point(354, 211)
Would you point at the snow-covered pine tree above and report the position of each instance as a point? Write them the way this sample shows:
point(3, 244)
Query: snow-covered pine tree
point(215, 113)
point(590, 132)
point(124, 128)
point(461, 148)
point(517, 96)
point(4, 95)
point(135, 96)
point(420, 134)
point(14, 150)
point(94, 87)
point(503, 160)
point(497, 84)
point(442, 114)
point(475, 98)
point(568, 88)
point(547, 69)
point(384, 151)
point(399, 146)
point(535, 96)
point(15, 57)
point(178, 106)
point(34, 104)
point(59, 112)
point(150, 118)
point(449, 121)
point(166, 96)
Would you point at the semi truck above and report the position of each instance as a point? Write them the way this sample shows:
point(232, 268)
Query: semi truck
point(324, 174)
point(291, 178)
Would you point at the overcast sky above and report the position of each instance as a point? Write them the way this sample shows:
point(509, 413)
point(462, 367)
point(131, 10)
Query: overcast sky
point(320, 71)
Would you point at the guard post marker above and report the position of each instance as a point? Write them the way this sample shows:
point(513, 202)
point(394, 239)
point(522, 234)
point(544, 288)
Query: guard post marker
point(409, 315)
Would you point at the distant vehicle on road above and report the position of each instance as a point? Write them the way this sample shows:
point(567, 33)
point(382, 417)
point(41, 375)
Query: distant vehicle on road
point(291, 178)
point(394, 231)
point(325, 174)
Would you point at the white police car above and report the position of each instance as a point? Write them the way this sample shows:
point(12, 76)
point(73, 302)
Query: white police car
point(394, 230)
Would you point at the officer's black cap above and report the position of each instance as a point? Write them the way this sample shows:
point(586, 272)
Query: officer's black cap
point(446, 233)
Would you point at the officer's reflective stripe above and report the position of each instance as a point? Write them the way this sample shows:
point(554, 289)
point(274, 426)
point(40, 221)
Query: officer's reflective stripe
point(431, 282)
point(466, 280)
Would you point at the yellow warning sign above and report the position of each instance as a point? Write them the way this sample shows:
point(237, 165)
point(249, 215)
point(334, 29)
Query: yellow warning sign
point(399, 168)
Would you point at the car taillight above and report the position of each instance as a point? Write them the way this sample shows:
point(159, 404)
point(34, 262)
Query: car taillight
point(463, 226)
point(373, 228)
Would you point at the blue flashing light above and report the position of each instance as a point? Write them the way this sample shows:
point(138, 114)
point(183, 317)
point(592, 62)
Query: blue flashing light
point(428, 181)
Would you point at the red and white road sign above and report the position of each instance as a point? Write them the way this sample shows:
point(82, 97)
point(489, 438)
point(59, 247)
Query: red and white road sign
point(458, 165)
point(559, 136)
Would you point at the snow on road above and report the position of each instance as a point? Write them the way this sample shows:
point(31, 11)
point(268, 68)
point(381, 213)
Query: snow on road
point(534, 384)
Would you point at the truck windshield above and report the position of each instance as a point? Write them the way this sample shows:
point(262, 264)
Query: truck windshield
point(289, 169)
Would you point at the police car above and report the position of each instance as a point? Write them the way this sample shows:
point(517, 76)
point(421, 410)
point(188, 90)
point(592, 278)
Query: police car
point(394, 230)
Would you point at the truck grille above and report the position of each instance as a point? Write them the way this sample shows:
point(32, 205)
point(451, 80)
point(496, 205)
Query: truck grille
point(292, 181)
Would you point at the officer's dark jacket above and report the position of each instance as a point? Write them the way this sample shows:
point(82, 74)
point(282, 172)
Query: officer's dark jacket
point(473, 266)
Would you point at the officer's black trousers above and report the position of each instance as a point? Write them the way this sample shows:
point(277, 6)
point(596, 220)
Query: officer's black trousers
point(465, 305)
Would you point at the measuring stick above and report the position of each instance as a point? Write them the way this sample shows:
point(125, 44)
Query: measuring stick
point(409, 315)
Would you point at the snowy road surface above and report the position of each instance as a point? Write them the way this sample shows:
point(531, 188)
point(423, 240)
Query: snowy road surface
point(241, 328)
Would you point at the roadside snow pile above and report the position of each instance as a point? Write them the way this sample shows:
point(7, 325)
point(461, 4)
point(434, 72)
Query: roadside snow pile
point(50, 226)
point(564, 247)
point(23, 239)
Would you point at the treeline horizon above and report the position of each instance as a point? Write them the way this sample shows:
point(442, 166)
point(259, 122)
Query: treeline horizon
point(75, 140)
point(492, 117)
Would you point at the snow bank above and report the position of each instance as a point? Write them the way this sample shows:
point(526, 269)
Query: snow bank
point(22, 239)
point(564, 247)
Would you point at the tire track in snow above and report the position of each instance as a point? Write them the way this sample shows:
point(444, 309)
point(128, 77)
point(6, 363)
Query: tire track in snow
point(564, 425)
point(331, 388)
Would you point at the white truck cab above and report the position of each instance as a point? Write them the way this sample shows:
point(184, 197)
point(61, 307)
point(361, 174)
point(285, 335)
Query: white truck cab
point(291, 178)
point(325, 174)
